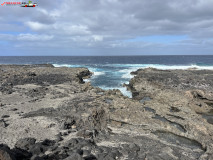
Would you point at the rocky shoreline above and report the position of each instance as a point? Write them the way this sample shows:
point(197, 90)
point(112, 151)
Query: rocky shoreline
point(49, 113)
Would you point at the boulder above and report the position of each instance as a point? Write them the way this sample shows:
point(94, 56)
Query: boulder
point(25, 143)
point(6, 153)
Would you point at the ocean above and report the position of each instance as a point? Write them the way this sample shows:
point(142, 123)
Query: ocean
point(111, 72)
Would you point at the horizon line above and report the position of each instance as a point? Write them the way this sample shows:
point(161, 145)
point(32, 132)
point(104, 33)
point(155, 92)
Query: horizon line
point(104, 55)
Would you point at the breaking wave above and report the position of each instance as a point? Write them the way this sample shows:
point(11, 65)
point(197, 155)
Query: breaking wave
point(163, 67)
point(126, 73)
point(96, 71)
point(112, 76)
point(123, 90)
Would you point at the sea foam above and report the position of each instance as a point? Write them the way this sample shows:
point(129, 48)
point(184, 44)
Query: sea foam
point(126, 73)
point(122, 73)
point(123, 90)
point(163, 67)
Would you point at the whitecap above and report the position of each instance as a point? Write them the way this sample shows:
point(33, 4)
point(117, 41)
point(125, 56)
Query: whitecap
point(68, 65)
point(98, 73)
point(123, 90)
point(87, 80)
point(160, 66)
point(126, 73)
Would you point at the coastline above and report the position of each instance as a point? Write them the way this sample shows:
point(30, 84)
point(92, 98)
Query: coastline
point(165, 118)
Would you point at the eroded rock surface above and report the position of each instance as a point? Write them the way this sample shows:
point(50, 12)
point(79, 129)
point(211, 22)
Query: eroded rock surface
point(182, 101)
point(49, 113)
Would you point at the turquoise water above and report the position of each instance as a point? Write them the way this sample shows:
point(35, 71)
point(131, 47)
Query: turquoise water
point(113, 72)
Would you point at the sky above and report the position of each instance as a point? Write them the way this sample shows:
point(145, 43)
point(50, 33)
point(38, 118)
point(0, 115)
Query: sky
point(107, 27)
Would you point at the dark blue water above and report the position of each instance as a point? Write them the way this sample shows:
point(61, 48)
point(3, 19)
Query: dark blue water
point(166, 60)
point(112, 71)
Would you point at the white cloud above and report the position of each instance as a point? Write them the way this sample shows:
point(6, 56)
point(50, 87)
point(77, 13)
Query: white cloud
point(37, 26)
point(73, 29)
point(108, 23)
point(34, 37)
point(97, 38)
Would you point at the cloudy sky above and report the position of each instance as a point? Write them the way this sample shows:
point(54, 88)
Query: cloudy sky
point(107, 27)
